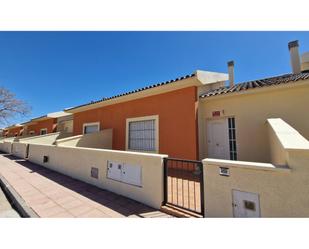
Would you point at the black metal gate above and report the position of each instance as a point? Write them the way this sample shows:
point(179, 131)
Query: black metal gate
point(183, 184)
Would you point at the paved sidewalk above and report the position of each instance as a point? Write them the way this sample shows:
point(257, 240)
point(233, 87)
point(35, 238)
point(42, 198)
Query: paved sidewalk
point(6, 210)
point(51, 194)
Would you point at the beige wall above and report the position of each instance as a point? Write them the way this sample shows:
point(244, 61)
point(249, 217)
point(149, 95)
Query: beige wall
point(271, 185)
point(283, 190)
point(65, 125)
point(43, 139)
point(251, 109)
point(278, 155)
point(19, 149)
point(7, 147)
point(77, 163)
point(100, 140)
point(2, 146)
point(283, 138)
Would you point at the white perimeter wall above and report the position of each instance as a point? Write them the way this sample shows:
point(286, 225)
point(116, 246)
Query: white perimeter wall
point(77, 163)
point(19, 149)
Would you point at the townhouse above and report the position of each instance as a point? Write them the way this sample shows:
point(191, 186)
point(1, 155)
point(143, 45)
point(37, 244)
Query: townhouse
point(246, 143)
point(232, 119)
point(201, 115)
point(160, 118)
point(49, 123)
point(13, 131)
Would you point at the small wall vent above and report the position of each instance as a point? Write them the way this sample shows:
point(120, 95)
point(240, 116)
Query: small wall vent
point(223, 171)
point(94, 172)
point(45, 159)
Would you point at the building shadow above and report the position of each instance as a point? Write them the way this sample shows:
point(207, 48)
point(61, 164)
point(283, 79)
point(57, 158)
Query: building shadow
point(11, 157)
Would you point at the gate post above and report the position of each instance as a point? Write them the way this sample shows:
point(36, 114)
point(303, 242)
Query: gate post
point(165, 180)
point(202, 189)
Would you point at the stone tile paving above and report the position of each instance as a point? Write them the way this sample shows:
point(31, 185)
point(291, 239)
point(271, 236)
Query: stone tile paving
point(51, 194)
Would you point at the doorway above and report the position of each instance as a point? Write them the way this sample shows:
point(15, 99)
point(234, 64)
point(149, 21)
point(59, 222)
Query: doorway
point(218, 139)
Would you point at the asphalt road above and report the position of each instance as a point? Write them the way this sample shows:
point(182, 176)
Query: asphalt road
point(6, 210)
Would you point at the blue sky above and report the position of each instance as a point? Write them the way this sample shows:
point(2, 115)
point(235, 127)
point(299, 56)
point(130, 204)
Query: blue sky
point(55, 70)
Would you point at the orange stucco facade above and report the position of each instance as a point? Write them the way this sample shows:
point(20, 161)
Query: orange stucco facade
point(49, 124)
point(14, 132)
point(177, 111)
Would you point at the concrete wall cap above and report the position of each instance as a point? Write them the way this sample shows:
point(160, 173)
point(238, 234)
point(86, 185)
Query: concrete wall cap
point(39, 136)
point(104, 150)
point(245, 165)
point(289, 138)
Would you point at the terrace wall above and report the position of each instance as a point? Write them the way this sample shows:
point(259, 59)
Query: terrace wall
point(99, 140)
point(282, 185)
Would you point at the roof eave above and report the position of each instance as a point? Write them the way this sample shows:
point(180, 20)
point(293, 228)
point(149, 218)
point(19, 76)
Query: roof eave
point(257, 90)
point(179, 84)
point(40, 119)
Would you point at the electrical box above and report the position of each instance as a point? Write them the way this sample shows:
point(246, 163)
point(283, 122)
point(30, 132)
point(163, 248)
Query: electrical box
point(114, 170)
point(132, 174)
point(126, 173)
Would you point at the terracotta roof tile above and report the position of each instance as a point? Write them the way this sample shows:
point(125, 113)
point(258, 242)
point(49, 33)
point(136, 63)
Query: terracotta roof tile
point(134, 91)
point(282, 79)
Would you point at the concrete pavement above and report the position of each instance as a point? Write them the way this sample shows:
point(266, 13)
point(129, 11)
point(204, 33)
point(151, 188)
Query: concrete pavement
point(51, 194)
point(6, 210)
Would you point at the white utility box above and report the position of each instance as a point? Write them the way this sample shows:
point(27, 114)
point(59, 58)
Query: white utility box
point(126, 173)
point(132, 174)
point(114, 170)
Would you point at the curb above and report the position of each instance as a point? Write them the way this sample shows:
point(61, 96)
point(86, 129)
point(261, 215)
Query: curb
point(21, 207)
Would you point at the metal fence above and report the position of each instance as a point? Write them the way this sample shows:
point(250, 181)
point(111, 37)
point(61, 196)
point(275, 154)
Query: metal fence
point(183, 184)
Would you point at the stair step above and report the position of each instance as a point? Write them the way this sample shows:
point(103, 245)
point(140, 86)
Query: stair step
point(178, 212)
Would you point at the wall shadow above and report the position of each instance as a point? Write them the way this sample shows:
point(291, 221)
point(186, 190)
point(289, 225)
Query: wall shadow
point(109, 199)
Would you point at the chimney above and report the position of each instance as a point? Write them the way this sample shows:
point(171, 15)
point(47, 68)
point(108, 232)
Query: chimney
point(294, 56)
point(230, 66)
point(305, 62)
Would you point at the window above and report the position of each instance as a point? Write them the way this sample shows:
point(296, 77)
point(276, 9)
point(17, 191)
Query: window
point(91, 128)
point(43, 131)
point(142, 134)
point(232, 139)
point(31, 132)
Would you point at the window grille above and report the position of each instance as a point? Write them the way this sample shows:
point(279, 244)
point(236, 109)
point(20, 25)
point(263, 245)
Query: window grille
point(142, 135)
point(232, 139)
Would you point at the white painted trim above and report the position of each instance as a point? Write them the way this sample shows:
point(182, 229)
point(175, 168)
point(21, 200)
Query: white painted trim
point(43, 129)
point(152, 117)
point(88, 124)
